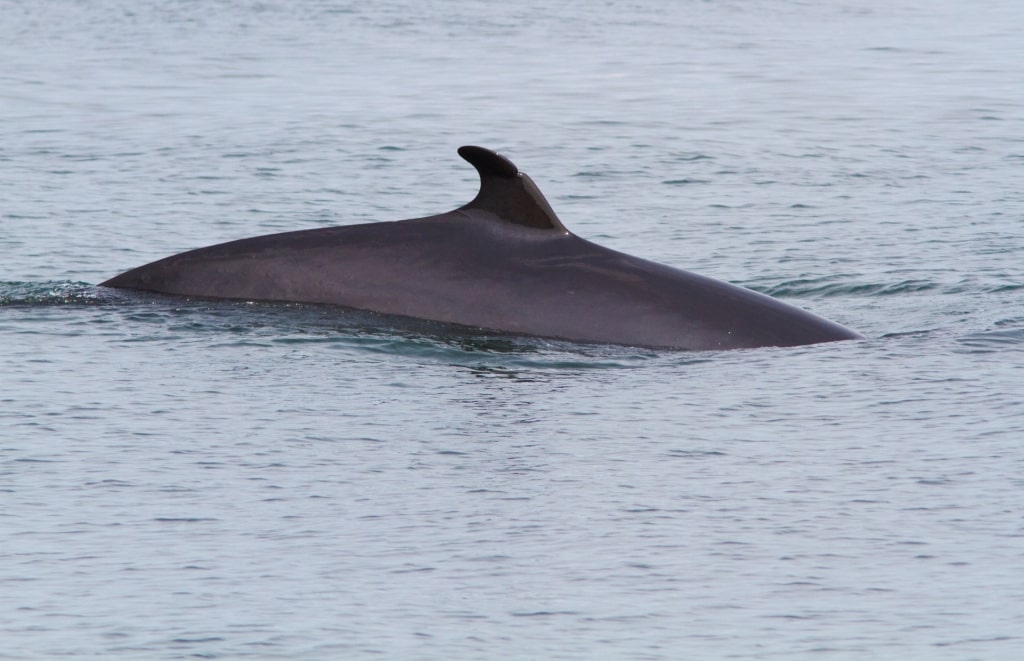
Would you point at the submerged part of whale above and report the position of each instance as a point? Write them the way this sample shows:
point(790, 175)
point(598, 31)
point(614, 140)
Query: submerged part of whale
point(503, 262)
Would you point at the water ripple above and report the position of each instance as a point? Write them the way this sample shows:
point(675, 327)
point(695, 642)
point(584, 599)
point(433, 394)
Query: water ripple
point(997, 340)
point(830, 286)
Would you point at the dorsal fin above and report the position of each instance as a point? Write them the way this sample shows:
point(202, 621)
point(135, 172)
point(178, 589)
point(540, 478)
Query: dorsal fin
point(508, 193)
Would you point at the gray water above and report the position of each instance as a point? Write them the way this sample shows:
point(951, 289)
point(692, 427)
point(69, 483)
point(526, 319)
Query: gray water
point(184, 479)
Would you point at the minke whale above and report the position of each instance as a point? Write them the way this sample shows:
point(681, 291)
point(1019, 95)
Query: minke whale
point(504, 262)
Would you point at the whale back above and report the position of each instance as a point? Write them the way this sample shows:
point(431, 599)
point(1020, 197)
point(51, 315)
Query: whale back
point(504, 262)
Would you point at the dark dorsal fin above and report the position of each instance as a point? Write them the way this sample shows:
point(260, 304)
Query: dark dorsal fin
point(508, 193)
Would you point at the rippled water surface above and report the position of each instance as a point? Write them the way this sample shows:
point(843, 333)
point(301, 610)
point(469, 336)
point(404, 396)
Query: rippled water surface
point(185, 479)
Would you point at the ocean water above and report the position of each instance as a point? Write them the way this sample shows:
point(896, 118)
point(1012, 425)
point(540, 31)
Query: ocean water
point(189, 479)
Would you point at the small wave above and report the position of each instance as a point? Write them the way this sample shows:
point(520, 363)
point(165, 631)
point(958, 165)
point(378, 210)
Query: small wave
point(844, 286)
point(827, 287)
point(693, 156)
point(684, 181)
point(998, 340)
point(1000, 288)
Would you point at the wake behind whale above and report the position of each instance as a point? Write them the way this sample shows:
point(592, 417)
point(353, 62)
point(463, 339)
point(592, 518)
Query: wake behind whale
point(502, 262)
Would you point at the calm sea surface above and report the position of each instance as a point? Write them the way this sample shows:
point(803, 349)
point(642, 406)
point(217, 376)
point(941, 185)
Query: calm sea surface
point(183, 479)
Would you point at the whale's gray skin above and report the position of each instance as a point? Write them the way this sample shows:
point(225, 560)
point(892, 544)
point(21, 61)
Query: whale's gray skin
point(502, 262)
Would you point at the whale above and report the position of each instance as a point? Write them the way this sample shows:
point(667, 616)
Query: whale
point(504, 262)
